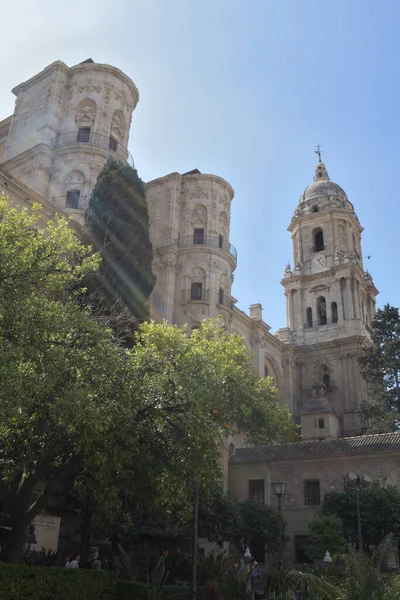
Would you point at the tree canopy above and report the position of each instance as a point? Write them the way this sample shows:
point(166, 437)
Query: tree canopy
point(117, 225)
point(380, 367)
point(325, 534)
point(149, 420)
point(380, 513)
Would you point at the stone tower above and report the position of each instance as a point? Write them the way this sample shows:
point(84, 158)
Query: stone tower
point(330, 305)
point(66, 123)
point(193, 257)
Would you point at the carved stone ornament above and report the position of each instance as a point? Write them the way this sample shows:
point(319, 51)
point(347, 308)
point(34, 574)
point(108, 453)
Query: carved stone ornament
point(89, 87)
point(86, 112)
point(75, 177)
point(118, 124)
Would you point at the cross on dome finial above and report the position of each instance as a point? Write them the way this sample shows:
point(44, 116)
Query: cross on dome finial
point(318, 151)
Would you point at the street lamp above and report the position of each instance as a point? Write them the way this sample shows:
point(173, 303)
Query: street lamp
point(357, 482)
point(279, 489)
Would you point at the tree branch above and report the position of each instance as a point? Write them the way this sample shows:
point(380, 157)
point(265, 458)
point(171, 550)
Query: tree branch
point(58, 476)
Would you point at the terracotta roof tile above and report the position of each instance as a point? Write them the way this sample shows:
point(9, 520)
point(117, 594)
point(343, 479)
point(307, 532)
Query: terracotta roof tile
point(363, 444)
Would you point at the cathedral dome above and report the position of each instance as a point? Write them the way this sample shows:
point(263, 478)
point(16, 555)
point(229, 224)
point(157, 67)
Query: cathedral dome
point(322, 194)
point(322, 188)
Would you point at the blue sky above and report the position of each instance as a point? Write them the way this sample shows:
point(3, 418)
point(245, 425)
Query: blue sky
point(245, 90)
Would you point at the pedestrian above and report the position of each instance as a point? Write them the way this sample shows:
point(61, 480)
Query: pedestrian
point(73, 562)
point(93, 560)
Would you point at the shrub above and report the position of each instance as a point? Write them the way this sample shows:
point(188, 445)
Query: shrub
point(136, 590)
point(43, 583)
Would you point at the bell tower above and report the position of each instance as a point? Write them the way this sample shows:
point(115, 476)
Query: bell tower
point(330, 304)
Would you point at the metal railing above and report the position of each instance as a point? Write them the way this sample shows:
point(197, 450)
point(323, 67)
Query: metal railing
point(225, 300)
point(321, 322)
point(195, 295)
point(208, 240)
point(318, 248)
point(93, 139)
point(62, 201)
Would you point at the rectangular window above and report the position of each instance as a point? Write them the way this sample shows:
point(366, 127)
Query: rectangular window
point(73, 199)
point(221, 241)
point(300, 545)
point(83, 134)
point(256, 490)
point(220, 296)
point(112, 144)
point(312, 493)
point(321, 424)
point(198, 236)
point(196, 291)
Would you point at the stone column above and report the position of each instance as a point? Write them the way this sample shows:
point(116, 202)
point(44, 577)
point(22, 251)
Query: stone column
point(170, 265)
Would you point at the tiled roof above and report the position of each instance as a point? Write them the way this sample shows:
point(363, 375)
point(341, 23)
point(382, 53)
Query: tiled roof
point(362, 444)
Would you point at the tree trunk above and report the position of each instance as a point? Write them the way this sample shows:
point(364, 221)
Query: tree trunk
point(14, 543)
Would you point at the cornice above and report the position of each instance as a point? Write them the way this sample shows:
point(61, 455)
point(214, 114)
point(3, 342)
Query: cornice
point(57, 65)
point(26, 155)
point(350, 269)
point(344, 212)
point(83, 67)
point(27, 194)
point(200, 177)
point(113, 71)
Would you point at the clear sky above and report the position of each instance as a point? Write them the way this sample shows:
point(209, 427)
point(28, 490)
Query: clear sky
point(244, 90)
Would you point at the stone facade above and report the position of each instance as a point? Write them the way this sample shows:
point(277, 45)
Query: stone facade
point(65, 125)
point(321, 464)
point(68, 121)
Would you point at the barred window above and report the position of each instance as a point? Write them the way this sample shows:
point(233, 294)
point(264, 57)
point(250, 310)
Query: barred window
point(256, 491)
point(312, 493)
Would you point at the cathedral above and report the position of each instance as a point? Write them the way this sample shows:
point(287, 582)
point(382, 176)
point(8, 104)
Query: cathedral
point(67, 121)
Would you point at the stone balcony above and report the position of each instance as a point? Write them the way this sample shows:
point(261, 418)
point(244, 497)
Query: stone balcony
point(96, 140)
point(213, 241)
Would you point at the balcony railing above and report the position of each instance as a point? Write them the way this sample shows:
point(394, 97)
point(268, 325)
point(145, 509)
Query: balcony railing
point(225, 300)
point(208, 240)
point(93, 139)
point(195, 295)
point(318, 248)
point(321, 322)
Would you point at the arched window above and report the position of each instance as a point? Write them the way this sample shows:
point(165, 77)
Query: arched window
point(315, 209)
point(319, 240)
point(220, 296)
point(326, 380)
point(321, 311)
point(309, 317)
point(335, 317)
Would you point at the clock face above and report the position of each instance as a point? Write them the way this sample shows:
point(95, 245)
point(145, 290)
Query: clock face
point(318, 262)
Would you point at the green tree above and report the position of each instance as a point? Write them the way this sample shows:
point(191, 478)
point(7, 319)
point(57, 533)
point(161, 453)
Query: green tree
point(380, 513)
point(193, 392)
point(117, 225)
point(350, 577)
point(128, 424)
point(260, 525)
point(325, 534)
point(59, 369)
point(380, 367)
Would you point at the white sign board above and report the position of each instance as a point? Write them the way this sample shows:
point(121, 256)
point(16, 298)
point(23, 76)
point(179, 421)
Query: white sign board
point(47, 530)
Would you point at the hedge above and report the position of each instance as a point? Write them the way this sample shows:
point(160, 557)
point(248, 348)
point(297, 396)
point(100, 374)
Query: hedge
point(135, 590)
point(19, 582)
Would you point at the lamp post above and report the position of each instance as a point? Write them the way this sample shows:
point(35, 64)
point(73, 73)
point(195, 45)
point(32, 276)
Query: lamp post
point(357, 482)
point(279, 489)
